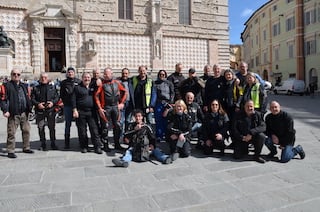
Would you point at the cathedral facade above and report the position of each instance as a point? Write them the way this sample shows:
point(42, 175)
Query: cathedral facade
point(50, 36)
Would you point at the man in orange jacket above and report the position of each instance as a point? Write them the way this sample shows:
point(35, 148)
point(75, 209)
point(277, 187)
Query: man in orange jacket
point(110, 98)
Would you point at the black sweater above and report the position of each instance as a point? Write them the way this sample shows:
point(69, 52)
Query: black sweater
point(67, 88)
point(281, 125)
point(82, 98)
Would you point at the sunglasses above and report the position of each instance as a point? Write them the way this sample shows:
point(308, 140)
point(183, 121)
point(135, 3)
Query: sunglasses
point(16, 74)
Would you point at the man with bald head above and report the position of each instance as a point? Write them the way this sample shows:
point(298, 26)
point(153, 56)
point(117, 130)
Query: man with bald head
point(280, 131)
point(110, 98)
point(44, 97)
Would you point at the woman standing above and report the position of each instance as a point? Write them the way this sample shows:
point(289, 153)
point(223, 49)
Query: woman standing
point(165, 95)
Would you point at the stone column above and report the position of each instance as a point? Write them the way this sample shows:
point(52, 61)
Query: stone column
point(37, 55)
point(71, 45)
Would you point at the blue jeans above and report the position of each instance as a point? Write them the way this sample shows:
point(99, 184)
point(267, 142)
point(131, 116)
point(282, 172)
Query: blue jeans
point(287, 153)
point(161, 122)
point(125, 119)
point(68, 115)
point(157, 153)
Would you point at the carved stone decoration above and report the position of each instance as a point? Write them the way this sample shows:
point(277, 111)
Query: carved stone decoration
point(36, 56)
point(157, 33)
point(90, 49)
point(72, 43)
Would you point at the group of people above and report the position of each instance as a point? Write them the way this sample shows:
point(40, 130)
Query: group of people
point(217, 108)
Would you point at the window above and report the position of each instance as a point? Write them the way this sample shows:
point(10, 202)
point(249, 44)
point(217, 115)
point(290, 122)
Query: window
point(251, 64)
point(288, 1)
point(263, 15)
point(184, 12)
point(276, 29)
point(257, 40)
point(125, 9)
point(290, 50)
point(310, 17)
point(265, 57)
point(264, 35)
point(290, 23)
point(257, 61)
point(310, 47)
point(275, 8)
point(276, 54)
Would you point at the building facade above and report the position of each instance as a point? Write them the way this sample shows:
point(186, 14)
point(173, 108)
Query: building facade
point(50, 36)
point(280, 40)
point(236, 56)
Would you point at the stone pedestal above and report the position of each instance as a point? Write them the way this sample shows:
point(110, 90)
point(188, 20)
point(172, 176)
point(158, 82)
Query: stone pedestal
point(5, 61)
point(157, 64)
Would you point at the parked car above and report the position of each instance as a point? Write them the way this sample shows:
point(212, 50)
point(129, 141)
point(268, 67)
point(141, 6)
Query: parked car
point(290, 86)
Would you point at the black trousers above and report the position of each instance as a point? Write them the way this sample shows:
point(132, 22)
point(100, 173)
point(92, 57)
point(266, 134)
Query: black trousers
point(113, 117)
point(85, 119)
point(41, 119)
point(184, 151)
point(216, 144)
point(241, 147)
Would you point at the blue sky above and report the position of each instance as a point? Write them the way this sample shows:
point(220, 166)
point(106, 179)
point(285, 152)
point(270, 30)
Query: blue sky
point(239, 12)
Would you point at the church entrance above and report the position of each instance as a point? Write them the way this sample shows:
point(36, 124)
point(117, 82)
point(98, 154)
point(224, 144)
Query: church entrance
point(55, 55)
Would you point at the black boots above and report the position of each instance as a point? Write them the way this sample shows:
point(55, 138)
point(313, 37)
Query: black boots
point(43, 146)
point(106, 146)
point(66, 141)
point(53, 145)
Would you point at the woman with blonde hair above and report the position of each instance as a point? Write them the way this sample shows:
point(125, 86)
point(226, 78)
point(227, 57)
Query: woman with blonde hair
point(178, 130)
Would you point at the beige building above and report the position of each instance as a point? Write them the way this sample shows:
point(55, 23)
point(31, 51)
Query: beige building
point(52, 35)
point(280, 40)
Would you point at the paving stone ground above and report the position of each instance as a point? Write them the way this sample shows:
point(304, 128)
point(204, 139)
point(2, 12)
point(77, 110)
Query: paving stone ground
point(71, 181)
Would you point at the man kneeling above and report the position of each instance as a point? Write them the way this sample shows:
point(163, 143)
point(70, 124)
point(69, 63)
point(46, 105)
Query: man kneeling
point(280, 132)
point(141, 140)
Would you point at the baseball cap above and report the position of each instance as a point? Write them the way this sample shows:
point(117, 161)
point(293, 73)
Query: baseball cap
point(192, 70)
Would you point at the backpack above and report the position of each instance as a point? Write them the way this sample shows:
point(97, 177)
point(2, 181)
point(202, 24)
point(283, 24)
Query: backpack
point(140, 146)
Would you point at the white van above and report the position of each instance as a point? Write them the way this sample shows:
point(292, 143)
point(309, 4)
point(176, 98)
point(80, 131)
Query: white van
point(290, 86)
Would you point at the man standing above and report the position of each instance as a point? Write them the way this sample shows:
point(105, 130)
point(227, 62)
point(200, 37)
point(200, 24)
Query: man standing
point(83, 110)
point(191, 84)
point(110, 98)
point(144, 93)
point(214, 88)
point(44, 96)
point(66, 91)
point(248, 127)
point(16, 106)
point(176, 78)
point(280, 131)
point(126, 112)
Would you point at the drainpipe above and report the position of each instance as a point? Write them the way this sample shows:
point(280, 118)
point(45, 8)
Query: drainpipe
point(300, 72)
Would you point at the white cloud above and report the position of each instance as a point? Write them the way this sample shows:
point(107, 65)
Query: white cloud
point(247, 12)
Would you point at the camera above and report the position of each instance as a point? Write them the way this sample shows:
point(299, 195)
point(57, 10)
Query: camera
point(167, 106)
